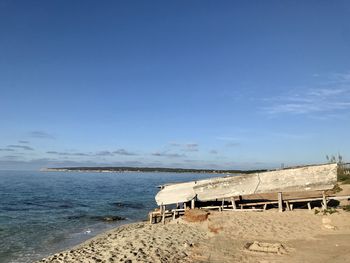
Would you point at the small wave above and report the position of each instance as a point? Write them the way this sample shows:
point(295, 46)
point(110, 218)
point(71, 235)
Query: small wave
point(128, 205)
point(105, 218)
point(48, 204)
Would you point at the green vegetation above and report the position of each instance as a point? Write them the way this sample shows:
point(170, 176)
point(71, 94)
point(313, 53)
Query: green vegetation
point(343, 168)
point(336, 189)
point(344, 174)
point(346, 208)
point(328, 211)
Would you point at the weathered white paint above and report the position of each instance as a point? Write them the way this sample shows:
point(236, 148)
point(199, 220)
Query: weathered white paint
point(317, 177)
point(176, 193)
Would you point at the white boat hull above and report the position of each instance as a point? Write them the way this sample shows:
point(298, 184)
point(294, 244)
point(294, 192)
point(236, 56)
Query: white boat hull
point(317, 177)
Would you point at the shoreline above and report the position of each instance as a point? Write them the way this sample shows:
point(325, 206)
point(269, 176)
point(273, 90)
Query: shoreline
point(151, 243)
point(81, 236)
point(99, 235)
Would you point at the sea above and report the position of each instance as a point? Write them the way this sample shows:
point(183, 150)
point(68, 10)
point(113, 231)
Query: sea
point(42, 213)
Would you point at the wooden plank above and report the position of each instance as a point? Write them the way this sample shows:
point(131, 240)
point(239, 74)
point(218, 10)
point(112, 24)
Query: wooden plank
point(304, 200)
point(290, 201)
point(178, 210)
point(211, 207)
point(339, 197)
point(244, 210)
point(259, 203)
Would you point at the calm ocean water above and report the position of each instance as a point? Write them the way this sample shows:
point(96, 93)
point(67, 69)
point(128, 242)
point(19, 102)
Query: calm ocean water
point(45, 212)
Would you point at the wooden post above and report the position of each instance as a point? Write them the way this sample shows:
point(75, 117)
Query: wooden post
point(291, 207)
point(160, 213)
point(222, 204)
point(233, 203)
point(280, 202)
point(324, 200)
point(185, 205)
point(265, 206)
point(151, 217)
point(163, 214)
point(192, 204)
point(309, 205)
point(287, 206)
point(175, 212)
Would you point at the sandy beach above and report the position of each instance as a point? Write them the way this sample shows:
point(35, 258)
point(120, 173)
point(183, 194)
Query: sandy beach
point(223, 237)
point(139, 242)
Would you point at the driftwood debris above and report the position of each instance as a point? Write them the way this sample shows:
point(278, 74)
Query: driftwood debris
point(265, 247)
point(195, 215)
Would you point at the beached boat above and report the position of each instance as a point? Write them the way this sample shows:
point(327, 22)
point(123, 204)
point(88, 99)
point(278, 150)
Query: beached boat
point(306, 178)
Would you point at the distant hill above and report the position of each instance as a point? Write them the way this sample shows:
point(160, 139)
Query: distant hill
point(147, 169)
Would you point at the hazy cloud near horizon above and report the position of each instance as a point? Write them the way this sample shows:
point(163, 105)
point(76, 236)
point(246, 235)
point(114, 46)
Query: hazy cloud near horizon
point(67, 153)
point(124, 152)
point(97, 153)
point(41, 135)
point(186, 147)
point(23, 147)
point(25, 142)
point(169, 155)
point(6, 150)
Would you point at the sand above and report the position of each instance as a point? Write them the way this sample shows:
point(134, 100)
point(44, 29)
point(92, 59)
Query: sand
point(139, 242)
point(306, 237)
point(223, 237)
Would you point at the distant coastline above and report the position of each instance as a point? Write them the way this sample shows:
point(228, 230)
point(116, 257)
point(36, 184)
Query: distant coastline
point(145, 169)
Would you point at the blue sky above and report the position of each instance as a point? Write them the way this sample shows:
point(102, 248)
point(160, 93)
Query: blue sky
point(201, 84)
